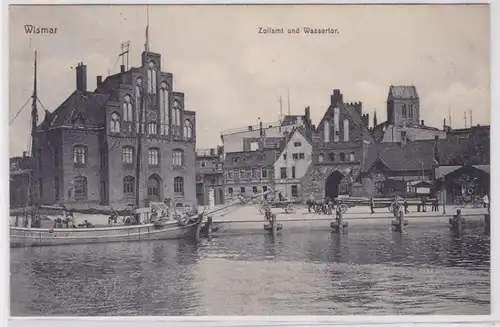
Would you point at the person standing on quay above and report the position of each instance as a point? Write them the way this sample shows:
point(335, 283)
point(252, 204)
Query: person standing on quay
point(372, 205)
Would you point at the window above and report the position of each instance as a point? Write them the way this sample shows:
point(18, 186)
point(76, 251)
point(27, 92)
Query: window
point(295, 156)
point(80, 155)
point(255, 173)
point(56, 188)
point(379, 186)
point(114, 123)
point(264, 172)
point(56, 157)
point(297, 144)
point(236, 159)
point(128, 155)
point(179, 185)
point(260, 157)
point(410, 110)
point(302, 156)
point(326, 131)
point(40, 188)
point(293, 172)
point(153, 187)
point(255, 189)
point(213, 181)
point(164, 107)
point(230, 191)
point(321, 157)
point(242, 173)
point(152, 78)
point(39, 159)
point(152, 128)
point(342, 156)
point(403, 110)
point(284, 156)
point(153, 157)
point(331, 155)
point(336, 114)
point(203, 164)
point(128, 112)
point(283, 172)
point(138, 104)
point(176, 118)
point(346, 130)
point(188, 130)
point(80, 183)
point(351, 156)
point(264, 189)
point(178, 158)
point(128, 185)
point(242, 189)
point(248, 173)
point(229, 175)
point(295, 191)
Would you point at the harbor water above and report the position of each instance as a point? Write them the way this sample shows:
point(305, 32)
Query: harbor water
point(371, 270)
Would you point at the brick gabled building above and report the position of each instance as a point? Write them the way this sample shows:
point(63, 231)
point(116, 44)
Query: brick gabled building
point(339, 145)
point(86, 148)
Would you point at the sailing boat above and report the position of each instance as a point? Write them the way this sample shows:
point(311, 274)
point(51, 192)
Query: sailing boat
point(142, 224)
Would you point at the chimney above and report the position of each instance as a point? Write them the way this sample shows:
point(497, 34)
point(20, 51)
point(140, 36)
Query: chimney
point(307, 113)
point(422, 122)
point(122, 68)
point(25, 154)
point(81, 77)
point(99, 80)
point(212, 152)
point(249, 128)
point(374, 118)
point(336, 97)
point(261, 129)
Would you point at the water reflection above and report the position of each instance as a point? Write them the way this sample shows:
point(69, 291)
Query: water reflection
point(428, 270)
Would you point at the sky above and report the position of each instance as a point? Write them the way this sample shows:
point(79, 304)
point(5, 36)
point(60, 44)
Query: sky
point(232, 75)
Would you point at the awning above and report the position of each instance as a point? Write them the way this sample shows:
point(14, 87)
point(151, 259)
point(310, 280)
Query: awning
point(445, 170)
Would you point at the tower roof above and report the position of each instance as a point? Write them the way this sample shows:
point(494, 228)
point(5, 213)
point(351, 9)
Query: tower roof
point(403, 92)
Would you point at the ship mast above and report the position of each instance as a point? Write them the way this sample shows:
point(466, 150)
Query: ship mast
point(144, 95)
point(34, 122)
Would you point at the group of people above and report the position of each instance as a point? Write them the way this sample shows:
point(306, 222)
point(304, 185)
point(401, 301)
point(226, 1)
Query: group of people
point(421, 206)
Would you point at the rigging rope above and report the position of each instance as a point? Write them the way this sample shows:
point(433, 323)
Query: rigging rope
point(17, 114)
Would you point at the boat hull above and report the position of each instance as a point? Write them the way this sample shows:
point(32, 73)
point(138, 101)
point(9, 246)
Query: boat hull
point(34, 237)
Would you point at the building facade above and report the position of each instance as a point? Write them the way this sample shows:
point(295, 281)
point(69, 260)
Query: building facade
point(339, 145)
point(86, 148)
point(292, 164)
point(209, 175)
point(250, 172)
point(19, 182)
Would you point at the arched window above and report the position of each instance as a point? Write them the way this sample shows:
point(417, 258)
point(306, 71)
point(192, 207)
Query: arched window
point(177, 158)
point(80, 184)
point(128, 112)
point(326, 131)
point(176, 118)
point(346, 130)
point(153, 157)
point(332, 156)
point(188, 129)
point(152, 78)
point(179, 185)
point(321, 157)
point(351, 156)
point(80, 155)
point(164, 107)
point(128, 185)
point(403, 110)
point(128, 155)
point(410, 110)
point(342, 156)
point(114, 123)
point(138, 104)
point(153, 187)
point(152, 128)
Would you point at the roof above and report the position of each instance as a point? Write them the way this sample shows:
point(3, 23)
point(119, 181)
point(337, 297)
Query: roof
point(299, 130)
point(248, 159)
point(292, 119)
point(83, 106)
point(397, 157)
point(403, 92)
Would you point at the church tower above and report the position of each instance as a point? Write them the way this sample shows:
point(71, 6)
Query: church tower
point(403, 105)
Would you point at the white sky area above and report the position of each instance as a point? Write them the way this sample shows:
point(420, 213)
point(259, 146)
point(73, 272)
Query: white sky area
point(231, 75)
